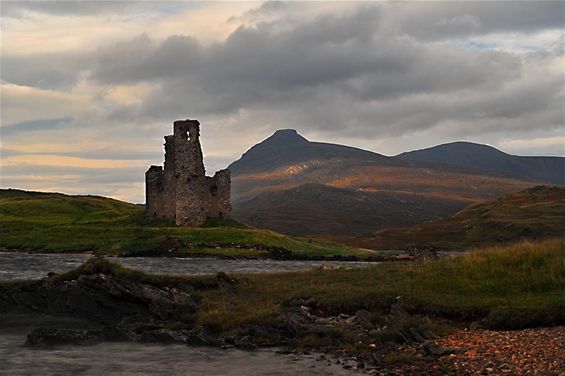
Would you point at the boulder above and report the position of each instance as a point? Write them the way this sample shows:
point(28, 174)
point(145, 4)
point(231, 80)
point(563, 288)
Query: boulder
point(202, 336)
point(362, 319)
point(432, 348)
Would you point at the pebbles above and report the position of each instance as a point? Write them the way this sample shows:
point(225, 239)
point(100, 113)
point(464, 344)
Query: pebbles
point(538, 351)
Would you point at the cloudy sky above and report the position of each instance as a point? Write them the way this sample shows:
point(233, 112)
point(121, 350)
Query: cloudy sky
point(89, 88)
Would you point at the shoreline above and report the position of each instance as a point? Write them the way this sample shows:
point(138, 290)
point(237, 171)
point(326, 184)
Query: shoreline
point(401, 318)
point(461, 350)
point(274, 254)
point(129, 358)
point(338, 258)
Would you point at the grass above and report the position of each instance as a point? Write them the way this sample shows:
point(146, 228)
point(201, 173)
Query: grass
point(101, 265)
point(226, 252)
point(53, 222)
point(507, 287)
point(534, 213)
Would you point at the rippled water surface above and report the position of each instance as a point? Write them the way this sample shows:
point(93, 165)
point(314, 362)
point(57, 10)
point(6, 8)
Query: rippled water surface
point(151, 359)
point(148, 359)
point(25, 265)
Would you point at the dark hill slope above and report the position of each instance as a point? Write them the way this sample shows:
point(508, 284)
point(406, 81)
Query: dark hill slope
point(486, 159)
point(284, 183)
point(324, 210)
point(533, 213)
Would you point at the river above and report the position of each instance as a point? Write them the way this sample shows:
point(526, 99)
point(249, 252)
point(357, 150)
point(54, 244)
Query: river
point(126, 359)
point(17, 265)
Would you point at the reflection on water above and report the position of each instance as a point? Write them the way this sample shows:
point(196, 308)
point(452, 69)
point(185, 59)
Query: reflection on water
point(25, 265)
point(152, 359)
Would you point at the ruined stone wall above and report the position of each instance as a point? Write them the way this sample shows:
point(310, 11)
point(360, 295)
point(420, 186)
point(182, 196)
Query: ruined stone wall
point(182, 192)
point(154, 190)
point(219, 194)
point(169, 191)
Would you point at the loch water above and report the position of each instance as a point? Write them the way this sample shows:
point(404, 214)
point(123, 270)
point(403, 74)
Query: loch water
point(17, 265)
point(127, 359)
point(136, 359)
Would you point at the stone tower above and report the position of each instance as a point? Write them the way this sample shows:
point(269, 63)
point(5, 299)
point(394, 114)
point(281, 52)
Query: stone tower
point(181, 191)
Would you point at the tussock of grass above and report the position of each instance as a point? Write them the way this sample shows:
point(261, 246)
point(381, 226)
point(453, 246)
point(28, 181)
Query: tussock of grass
point(101, 265)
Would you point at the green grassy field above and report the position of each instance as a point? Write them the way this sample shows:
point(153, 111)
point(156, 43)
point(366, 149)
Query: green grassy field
point(506, 287)
point(53, 222)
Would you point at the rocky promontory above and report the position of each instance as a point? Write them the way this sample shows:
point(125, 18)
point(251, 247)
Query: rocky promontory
point(114, 303)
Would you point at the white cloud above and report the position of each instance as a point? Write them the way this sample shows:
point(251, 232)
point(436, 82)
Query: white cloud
point(536, 146)
point(48, 33)
point(24, 103)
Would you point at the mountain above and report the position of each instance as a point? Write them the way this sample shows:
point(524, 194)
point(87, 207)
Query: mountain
point(534, 213)
point(286, 147)
point(488, 160)
point(292, 185)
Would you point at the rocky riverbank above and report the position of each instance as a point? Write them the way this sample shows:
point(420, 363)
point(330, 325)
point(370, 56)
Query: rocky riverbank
point(101, 301)
point(97, 305)
point(115, 308)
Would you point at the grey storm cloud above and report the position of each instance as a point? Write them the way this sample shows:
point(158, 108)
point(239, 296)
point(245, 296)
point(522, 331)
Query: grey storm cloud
point(444, 20)
point(329, 50)
point(439, 19)
point(334, 72)
point(361, 71)
point(46, 71)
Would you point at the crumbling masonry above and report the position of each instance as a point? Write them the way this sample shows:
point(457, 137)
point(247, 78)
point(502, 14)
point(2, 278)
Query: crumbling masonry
point(181, 191)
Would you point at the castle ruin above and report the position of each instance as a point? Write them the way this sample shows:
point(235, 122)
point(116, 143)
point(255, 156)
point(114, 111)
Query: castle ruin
point(181, 191)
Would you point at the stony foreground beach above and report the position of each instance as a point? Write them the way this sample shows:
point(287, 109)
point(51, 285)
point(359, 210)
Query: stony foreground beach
point(537, 351)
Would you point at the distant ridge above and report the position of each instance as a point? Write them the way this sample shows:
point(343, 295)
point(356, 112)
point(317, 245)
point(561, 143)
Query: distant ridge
point(291, 185)
point(287, 147)
point(486, 159)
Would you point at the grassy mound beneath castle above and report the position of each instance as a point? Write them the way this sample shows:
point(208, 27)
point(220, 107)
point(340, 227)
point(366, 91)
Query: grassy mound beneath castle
point(54, 222)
